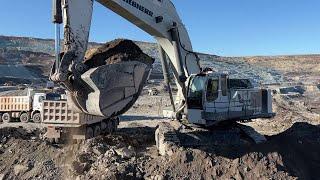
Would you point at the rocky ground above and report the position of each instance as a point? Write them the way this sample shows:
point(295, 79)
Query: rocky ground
point(291, 152)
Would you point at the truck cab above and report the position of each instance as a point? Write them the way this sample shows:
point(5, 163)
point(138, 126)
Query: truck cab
point(214, 97)
point(37, 101)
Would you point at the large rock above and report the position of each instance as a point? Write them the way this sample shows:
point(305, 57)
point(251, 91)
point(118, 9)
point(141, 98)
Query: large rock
point(2, 176)
point(20, 169)
point(125, 152)
point(292, 89)
point(167, 140)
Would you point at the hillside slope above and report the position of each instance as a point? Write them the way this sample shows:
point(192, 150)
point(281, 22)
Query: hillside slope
point(266, 69)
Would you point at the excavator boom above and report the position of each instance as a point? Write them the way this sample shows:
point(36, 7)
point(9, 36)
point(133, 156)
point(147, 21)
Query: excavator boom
point(205, 97)
point(156, 17)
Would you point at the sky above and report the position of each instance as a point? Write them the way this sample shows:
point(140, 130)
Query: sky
point(222, 27)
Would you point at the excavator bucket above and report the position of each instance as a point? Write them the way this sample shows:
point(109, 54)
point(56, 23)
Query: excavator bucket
point(118, 71)
point(115, 87)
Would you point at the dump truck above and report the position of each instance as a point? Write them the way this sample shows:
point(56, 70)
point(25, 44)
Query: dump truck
point(52, 112)
point(22, 107)
point(61, 122)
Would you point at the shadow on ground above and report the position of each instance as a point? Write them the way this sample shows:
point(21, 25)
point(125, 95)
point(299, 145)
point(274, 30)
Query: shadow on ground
point(139, 118)
point(298, 148)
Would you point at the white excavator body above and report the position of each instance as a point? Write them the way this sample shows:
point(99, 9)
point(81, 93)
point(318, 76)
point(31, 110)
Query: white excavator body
point(214, 97)
point(96, 91)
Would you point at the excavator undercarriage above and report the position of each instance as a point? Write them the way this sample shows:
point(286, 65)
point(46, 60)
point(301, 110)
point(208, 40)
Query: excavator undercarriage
point(170, 136)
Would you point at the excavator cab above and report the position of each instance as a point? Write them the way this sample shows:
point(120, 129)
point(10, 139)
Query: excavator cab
point(205, 88)
point(202, 88)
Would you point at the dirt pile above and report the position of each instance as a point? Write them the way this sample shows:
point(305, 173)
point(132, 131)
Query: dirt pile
point(24, 156)
point(197, 164)
point(131, 154)
point(118, 159)
point(288, 112)
point(291, 151)
point(291, 154)
point(119, 50)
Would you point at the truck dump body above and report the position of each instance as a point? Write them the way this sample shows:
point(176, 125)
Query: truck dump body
point(15, 103)
point(62, 122)
point(58, 113)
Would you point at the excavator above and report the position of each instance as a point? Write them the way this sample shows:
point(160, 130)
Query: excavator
point(204, 97)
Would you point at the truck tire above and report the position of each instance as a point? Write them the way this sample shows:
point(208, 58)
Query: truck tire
point(53, 140)
point(114, 125)
point(109, 126)
point(36, 118)
point(6, 118)
point(104, 127)
point(24, 118)
point(89, 133)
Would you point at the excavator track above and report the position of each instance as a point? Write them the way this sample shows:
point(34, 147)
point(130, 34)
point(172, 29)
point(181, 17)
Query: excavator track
point(172, 135)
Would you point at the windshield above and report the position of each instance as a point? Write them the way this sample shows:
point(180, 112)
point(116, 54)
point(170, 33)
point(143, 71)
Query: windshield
point(196, 87)
point(195, 93)
point(53, 97)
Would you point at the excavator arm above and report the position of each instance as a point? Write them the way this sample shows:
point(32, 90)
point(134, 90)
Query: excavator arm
point(91, 90)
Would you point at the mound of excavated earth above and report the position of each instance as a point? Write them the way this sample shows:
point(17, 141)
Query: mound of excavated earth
point(119, 50)
point(291, 151)
point(131, 154)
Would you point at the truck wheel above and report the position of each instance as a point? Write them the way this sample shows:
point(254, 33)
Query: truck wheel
point(50, 140)
point(97, 131)
point(6, 118)
point(109, 127)
point(24, 117)
point(36, 118)
point(114, 125)
point(89, 133)
point(104, 127)
point(53, 140)
point(57, 140)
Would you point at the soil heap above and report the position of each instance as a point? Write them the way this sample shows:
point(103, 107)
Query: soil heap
point(116, 51)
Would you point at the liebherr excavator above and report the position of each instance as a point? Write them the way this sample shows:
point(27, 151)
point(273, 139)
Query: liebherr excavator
point(203, 98)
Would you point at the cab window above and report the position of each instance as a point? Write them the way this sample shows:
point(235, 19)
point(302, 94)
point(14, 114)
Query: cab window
point(212, 90)
point(224, 85)
point(41, 99)
point(195, 92)
point(53, 97)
